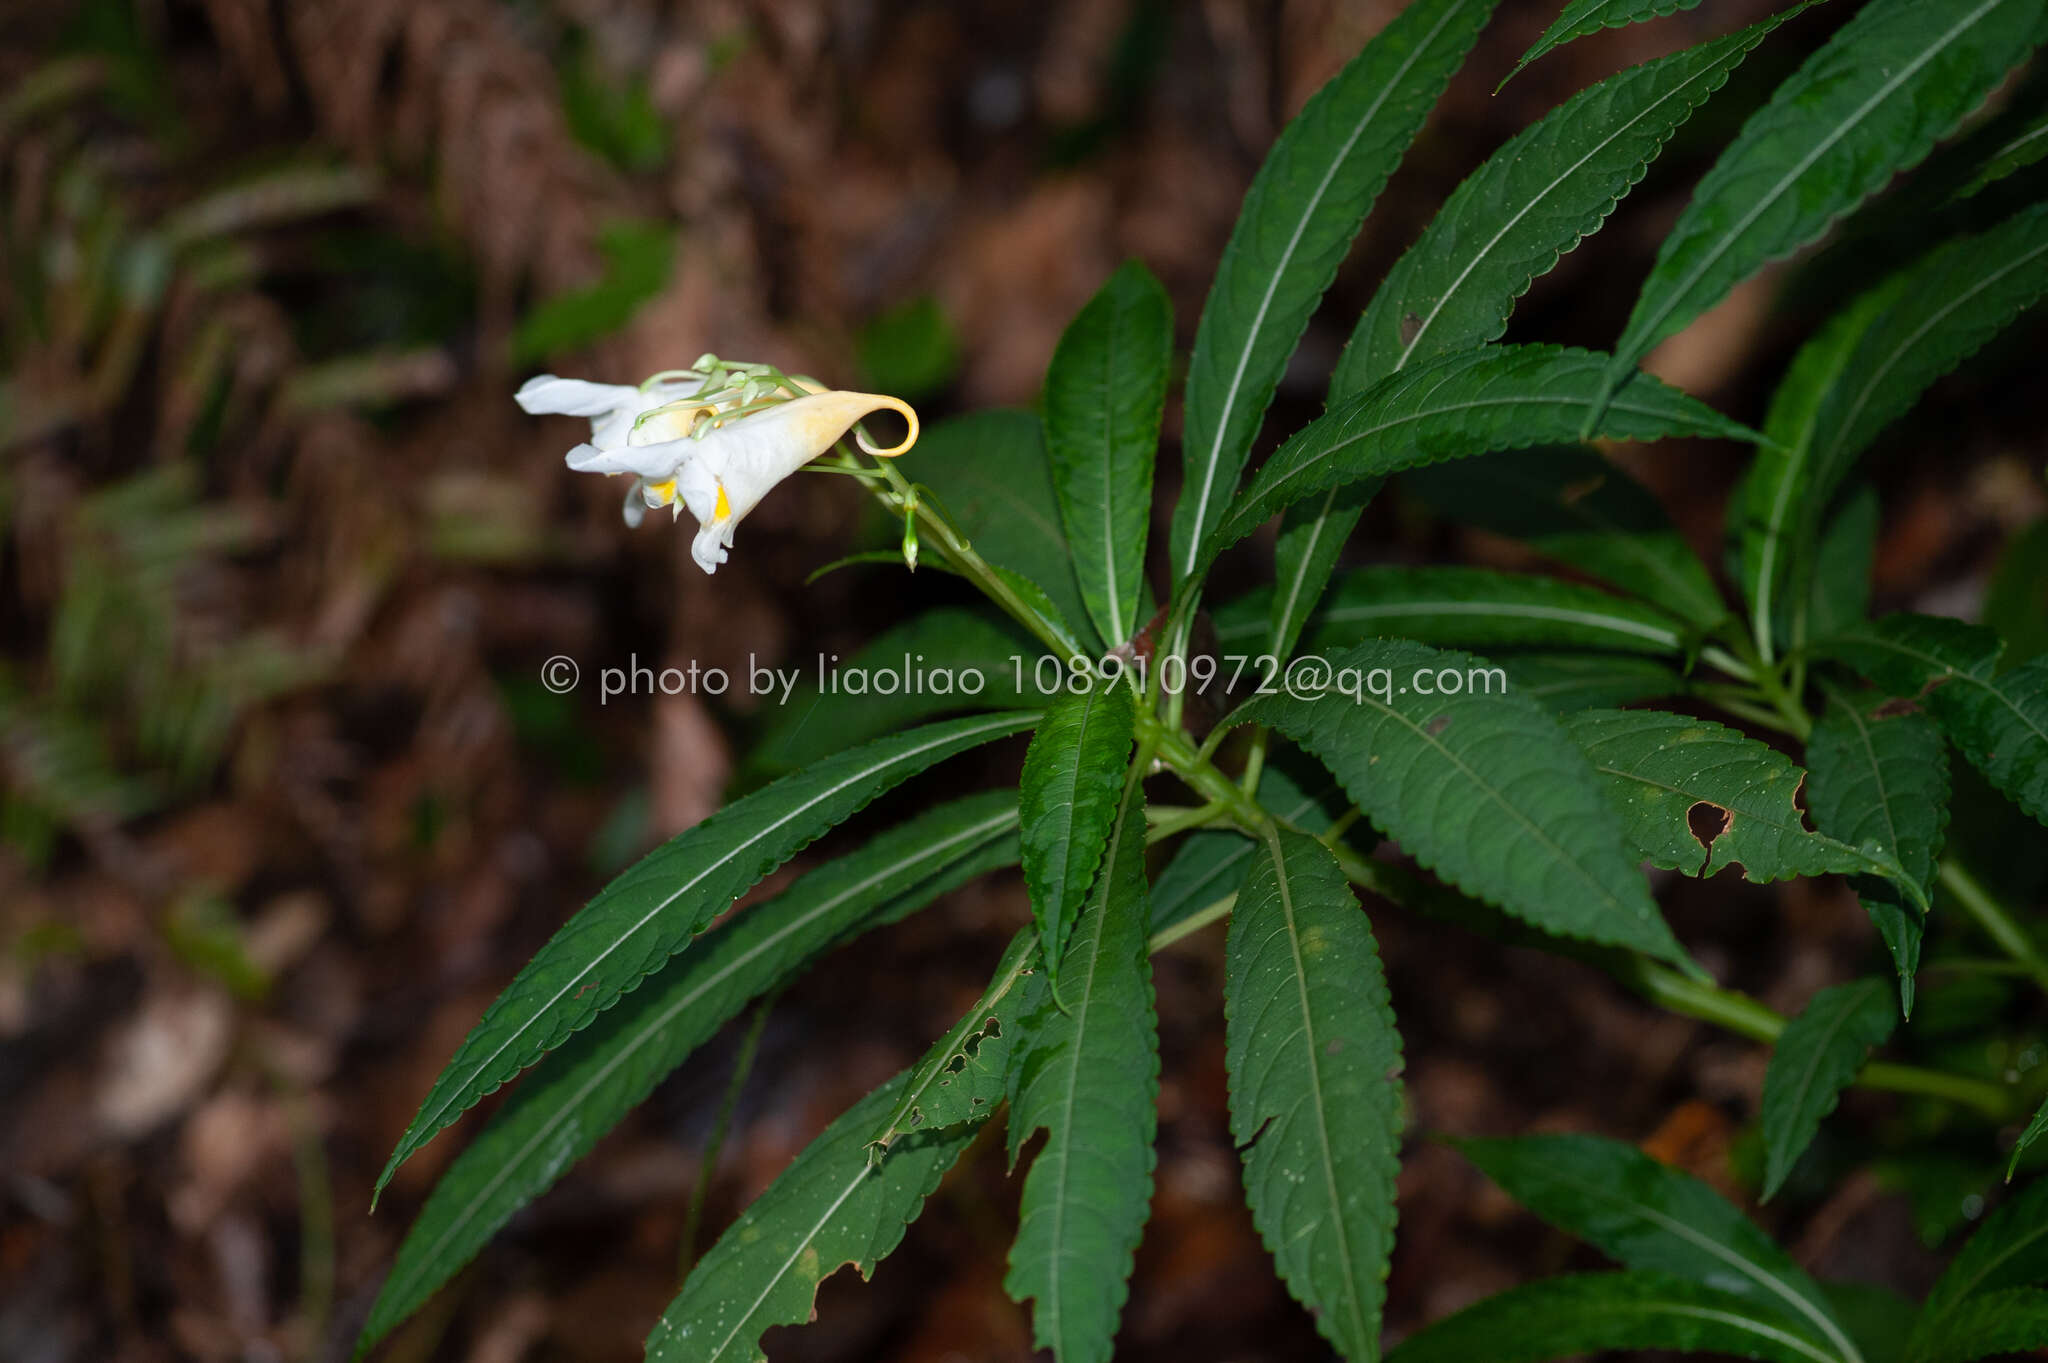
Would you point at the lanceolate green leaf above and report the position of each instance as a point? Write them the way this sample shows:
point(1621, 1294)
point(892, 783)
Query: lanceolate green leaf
point(1873, 101)
point(1879, 775)
point(1103, 398)
point(652, 911)
point(1564, 682)
point(1498, 397)
point(1650, 1216)
point(2023, 148)
point(581, 1091)
point(962, 1077)
point(2013, 1321)
point(1872, 369)
point(1473, 607)
point(1508, 223)
point(990, 473)
point(1073, 778)
point(1315, 1093)
point(1591, 1313)
point(1998, 720)
point(1877, 1318)
point(833, 1206)
point(1305, 553)
point(2009, 1250)
point(1771, 496)
point(1582, 17)
point(2016, 600)
point(943, 661)
point(1662, 767)
point(1571, 505)
point(1482, 786)
point(1533, 200)
point(1839, 598)
point(2036, 1128)
point(1536, 198)
point(1816, 1056)
point(1951, 303)
point(1298, 219)
point(1087, 1071)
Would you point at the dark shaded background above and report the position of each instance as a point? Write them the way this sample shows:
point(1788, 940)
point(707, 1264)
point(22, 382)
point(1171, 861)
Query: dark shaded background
point(285, 801)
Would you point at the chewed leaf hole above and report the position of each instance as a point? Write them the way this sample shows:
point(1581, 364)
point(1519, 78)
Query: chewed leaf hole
point(1707, 821)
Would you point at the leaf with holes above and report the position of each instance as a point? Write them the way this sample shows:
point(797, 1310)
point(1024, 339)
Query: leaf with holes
point(1650, 1216)
point(1662, 767)
point(1103, 397)
point(1493, 398)
point(1873, 101)
point(1998, 720)
point(962, 1076)
point(1485, 788)
point(581, 1091)
point(1592, 1313)
point(1067, 799)
point(1816, 1056)
point(653, 910)
point(1315, 1093)
point(1087, 1072)
point(1463, 607)
point(1877, 774)
point(832, 1207)
point(1299, 216)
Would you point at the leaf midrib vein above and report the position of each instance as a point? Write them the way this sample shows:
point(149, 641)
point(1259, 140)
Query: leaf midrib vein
point(865, 773)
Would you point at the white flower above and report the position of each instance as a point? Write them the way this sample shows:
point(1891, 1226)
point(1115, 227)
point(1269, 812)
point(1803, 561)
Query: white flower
point(613, 409)
point(716, 453)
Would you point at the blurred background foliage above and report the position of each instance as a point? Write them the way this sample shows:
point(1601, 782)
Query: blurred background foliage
point(283, 800)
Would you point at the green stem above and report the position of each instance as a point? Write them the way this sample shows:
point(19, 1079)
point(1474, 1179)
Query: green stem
point(1785, 701)
point(1178, 752)
point(1167, 820)
point(1727, 662)
point(1736, 702)
point(1998, 925)
point(1681, 994)
point(1744, 1016)
point(971, 565)
point(1254, 763)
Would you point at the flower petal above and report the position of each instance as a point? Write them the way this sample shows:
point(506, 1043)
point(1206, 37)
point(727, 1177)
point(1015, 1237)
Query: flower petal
point(708, 547)
point(752, 454)
point(655, 462)
point(544, 394)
